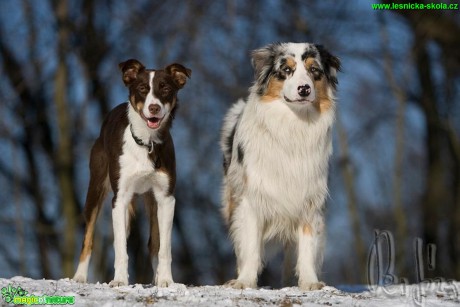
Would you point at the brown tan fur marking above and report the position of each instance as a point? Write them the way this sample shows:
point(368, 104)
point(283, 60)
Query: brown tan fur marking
point(275, 85)
point(273, 89)
point(229, 207)
point(291, 63)
point(323, 102)
point(307, 230)
point(88, 240)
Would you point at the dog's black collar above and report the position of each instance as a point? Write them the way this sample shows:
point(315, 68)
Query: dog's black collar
point(139, 142)
point(150, 146)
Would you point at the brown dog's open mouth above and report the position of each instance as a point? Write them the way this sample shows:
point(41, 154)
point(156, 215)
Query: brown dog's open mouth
point(154, 122)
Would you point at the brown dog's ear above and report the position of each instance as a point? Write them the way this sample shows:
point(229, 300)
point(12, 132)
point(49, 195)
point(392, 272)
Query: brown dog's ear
point(179, 73)
point(130, 69)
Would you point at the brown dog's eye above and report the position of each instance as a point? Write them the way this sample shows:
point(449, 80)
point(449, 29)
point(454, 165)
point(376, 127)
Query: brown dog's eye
point(164, 86)
point(166, 90)
point(143, 88)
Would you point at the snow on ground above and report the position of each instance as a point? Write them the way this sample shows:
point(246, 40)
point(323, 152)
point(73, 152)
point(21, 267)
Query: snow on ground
point(426, 294)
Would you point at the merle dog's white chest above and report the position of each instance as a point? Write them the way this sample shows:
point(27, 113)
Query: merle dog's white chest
point(286, 159)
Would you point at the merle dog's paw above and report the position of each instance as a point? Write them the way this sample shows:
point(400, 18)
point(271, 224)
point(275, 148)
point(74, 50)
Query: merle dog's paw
point(309, 286)
point(240, 284)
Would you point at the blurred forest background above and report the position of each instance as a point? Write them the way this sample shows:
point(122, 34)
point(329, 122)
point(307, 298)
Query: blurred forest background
point(396, 163)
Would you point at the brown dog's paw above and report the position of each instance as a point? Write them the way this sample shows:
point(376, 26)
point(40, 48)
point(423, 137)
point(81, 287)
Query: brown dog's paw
point(164, 283)
point(79, 278)
point(117, 283)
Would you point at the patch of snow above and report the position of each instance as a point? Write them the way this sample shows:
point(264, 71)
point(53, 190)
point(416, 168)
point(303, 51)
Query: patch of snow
point(424, 294)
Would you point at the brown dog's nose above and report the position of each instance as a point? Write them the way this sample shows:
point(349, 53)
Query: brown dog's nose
point(154, 109)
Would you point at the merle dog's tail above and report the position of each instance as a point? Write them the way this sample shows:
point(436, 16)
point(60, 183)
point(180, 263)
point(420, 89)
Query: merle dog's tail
point(228, 131)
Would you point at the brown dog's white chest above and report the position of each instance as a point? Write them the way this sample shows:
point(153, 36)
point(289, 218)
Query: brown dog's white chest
point(137, 170)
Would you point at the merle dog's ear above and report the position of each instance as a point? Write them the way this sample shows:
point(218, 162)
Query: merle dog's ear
point(263, 61)
point(330, 63)
point(130, 70)
point(179, 73)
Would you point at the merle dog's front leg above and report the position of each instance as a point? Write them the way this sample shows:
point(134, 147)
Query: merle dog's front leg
point(246, 232)
point(309, 253)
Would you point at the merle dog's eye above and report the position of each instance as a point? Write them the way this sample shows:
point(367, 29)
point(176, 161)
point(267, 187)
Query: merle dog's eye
point(314, 69)
point(287, 70)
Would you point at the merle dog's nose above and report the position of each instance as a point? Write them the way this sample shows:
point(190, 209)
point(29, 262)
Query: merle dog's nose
point(154, 109)
point(304, 90)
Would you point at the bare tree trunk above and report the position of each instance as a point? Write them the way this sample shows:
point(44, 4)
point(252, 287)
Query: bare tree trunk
point(93, 51)
point(19, 216)
point(349, 182)
point(64, 155)
point(435, 193)
point(452, 72)
point(30, 102)
point(454, 228)
point(441, 196)
point(398, 164)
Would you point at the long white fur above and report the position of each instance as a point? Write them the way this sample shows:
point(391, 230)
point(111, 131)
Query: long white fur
point(137, 175)
point(281, 186)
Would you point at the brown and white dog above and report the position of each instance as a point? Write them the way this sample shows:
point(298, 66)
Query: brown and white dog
point(134, 154)
point(276, 149)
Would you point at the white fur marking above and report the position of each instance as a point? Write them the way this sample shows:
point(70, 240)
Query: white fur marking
point(119, 233)
point(81, 275)
point(140, 128)
point(165, 220)
point(151, 99)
